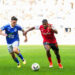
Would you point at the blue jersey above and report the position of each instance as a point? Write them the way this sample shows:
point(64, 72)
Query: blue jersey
point(12, 33)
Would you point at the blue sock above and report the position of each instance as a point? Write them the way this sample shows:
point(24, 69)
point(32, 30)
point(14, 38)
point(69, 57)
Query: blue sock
point(20, 55)
point(16, 60)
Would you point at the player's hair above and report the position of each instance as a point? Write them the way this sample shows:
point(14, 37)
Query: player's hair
point(14, 18)
point(44, 21)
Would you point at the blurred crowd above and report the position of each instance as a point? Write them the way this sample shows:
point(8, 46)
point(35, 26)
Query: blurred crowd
point(31, 12)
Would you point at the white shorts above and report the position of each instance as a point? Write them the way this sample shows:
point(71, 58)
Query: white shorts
point(11, 46)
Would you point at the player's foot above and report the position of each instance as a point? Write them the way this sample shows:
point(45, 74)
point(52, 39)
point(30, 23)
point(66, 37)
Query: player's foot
point(24, 62)
point(60, 66)
point(51, 65)
point(18, 66)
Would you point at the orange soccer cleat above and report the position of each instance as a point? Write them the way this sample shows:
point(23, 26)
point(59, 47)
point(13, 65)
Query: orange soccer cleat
point(60, 66)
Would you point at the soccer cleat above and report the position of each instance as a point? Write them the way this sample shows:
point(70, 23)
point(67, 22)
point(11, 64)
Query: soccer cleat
point(19, 66)
point(24, 62)
point(60, 66)
point(51, 65)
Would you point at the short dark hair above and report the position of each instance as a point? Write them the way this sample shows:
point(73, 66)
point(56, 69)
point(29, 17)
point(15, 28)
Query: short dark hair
point(14, 18)
point(44, 21)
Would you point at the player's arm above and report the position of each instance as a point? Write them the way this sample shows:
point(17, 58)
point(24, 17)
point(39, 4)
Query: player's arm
point(25, 38)
point(30, 29)
point(1, 33)
point(53, 29)
point(24, 35)
point(21, 29)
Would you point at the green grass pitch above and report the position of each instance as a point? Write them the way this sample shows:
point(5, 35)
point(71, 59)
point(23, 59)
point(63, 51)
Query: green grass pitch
point(37, 54)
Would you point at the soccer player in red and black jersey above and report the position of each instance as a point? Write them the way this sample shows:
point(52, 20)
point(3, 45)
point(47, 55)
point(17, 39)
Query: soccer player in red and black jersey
point(49, 40)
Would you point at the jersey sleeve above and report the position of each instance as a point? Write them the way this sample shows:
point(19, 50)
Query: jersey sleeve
point(37, 27)
point(19, 28)
point(3, 28)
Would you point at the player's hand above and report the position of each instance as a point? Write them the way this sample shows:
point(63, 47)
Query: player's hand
point(25, 40)
point(25, 33)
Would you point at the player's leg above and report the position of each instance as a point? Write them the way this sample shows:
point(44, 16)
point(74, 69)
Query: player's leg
point(47, 48)
point(56, 51)
point(17, 51)
point(10, 49)
point(15, 59)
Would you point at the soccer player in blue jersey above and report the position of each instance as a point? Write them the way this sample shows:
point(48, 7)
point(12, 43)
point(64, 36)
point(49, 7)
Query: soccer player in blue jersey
point(12, 38)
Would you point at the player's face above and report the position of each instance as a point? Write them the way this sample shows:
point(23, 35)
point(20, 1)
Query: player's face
point(13, 23)
point(45, 25)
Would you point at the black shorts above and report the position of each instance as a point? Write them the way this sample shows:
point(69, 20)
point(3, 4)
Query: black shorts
point(54, 46)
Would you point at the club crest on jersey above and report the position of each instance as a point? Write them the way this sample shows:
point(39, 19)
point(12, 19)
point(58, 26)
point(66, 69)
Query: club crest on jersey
point(15, 30)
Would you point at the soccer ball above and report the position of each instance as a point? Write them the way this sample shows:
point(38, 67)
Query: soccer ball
point(35, 67)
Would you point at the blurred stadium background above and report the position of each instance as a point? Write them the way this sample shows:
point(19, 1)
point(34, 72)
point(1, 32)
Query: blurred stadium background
point(61, 13)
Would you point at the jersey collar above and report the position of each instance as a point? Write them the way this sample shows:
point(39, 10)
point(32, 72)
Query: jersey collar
point(11, 26)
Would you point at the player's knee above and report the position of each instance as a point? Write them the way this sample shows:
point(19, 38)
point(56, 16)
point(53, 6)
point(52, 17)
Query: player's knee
point(47, 49)
point(15, 50)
